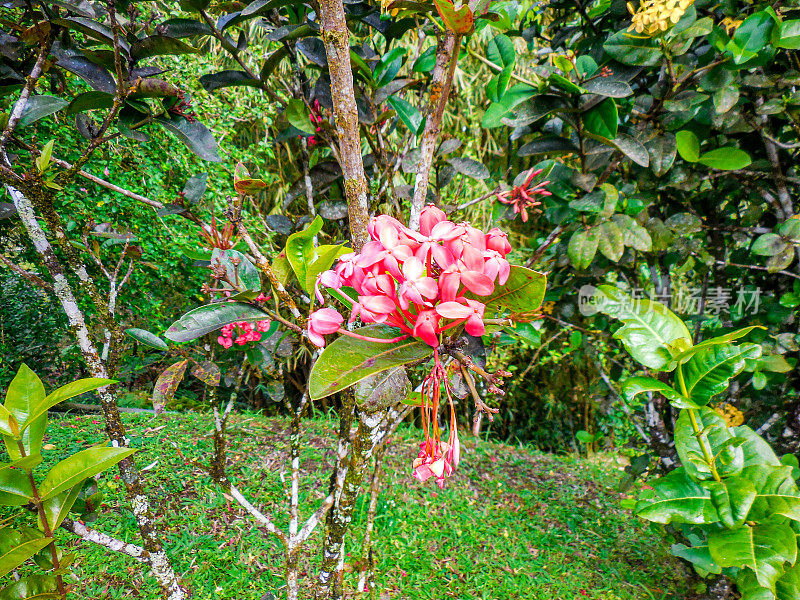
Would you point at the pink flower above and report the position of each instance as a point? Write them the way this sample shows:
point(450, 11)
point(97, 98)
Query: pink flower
point(225, 342)
point(416, 288)
point(373, 309)
point(426, 327)
point(469, 311)
point(329, 279)
point(323, 322)
point(497, 239)
point(433, 462)
point(263, 325)
point(496, 267)
point(429, 217)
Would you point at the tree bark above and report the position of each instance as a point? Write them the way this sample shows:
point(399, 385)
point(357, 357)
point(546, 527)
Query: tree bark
point(442, 79)
point(159, 563)
point(336, 37)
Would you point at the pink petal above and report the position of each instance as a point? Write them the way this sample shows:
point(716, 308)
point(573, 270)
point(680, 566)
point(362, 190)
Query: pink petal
point(477, 283)
point(454, 310)
point(474, 326)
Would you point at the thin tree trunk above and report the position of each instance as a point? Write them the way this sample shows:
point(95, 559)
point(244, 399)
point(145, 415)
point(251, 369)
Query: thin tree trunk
point(442, 80)
point(336, 37)
point(159, 563)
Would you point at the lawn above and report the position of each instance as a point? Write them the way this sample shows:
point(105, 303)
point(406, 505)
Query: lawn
point(512, 523)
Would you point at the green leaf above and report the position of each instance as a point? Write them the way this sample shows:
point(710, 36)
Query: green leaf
point(732, 498)
point(27, 463)
point(469, 167)
point(300, 251)
point(523, 292)
point(609, 241)
point(167, 383)
point(725, 338)
point(24, 392)
point(228, 78)
point(725, 159)
point(602, 86)
point(349, 360)
point(324, 257)
point(675, 498)
point(602, 119)
point(789, 36)
point(205, 319)
point(244, 275)
point(633, 234)
point(688, 145)
point(195, 187)
point(547, 144)
point(193, 134)
point(768, 244)
point(15, 486)
point(57, 508)
point(788, 586)
point(756, 450)
point(500, 50)
point(651, 333)
point(699, 556)
point(39, 107)
point(662, 150)
point(709, 370)
point(9, 426)
point(297, 113)
point(160, 45)
point(90, 101)
point(14, 557)
point(408, 114)
point(633, 50)
point(147, 338)
point(776, 492)
point(65, 392)
point(80, 466)
point(763, 549)
point(634, 386)
point(729, 458)
point(33, 587)
point(426, 61)
point(754, 33)
point(582, 248)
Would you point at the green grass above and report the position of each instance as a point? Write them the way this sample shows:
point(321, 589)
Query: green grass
point(511, 523)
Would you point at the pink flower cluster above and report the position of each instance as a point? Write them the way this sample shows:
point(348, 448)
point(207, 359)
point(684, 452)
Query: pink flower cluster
point(245, 332)
point(417, 281)
point(316, 117)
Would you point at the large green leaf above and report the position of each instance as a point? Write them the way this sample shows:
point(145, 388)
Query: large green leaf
point(610, 240)
point(15, 487)
point(57, 508)
point(325, 255)
point(720, 443)
point(631, 49)
point(755, 448)
point(33, 587)
point(297, 114)
point(732, 498)
point(602, 119)
point(17, 555)
point(349, 360)
point(676, 499)
point(582, 248)
point(715, 341)
point(193, 134)
point(725, 159)
point(776, 492)
point(39, 107)
point(699, 556)
point(651, 333)
point(639, 385)
point(65, 392)
point(522, 292)
point(24, 392)
point(788, 586)
point(147, 338)
point(205, 319)
point(300, 251)
point(76, 468)
point(709, 370)
point(763, 549)
point(244, 274)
